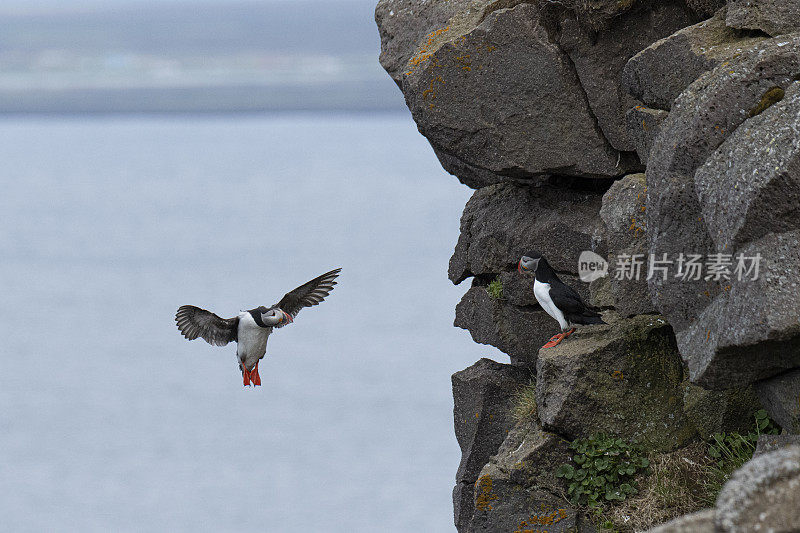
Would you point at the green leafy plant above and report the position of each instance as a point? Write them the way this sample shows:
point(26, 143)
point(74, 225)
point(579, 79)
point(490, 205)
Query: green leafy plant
point(729, 451)
point(495, 289)
point(602, 470)
point(735, 448)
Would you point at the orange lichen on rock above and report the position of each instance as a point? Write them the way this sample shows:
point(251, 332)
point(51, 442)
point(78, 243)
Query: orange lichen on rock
point(430, 92)
point(541, 520)
point(426, 51)
point(635, 227)
point(485, 495)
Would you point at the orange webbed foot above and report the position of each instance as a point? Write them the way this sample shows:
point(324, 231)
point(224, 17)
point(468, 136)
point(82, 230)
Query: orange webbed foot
point(254, 377)
point(554, 340)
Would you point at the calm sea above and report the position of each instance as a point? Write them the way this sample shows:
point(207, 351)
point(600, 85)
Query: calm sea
point(111, 421)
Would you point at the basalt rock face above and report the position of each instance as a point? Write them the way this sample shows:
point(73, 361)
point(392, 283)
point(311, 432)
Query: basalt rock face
point(725, 346)
point(727, 147)
point(644, 125)
point(566, 222)
point(663, 136)
point(774, 17)
point(763, 495)
point(517, 91)
point(623, 379)
point(623, 215)
point(517, 489)
point(651, 75)
point(558, 222)
point(710, 412)
point(600, 56)
point(770, 443)
point(780, 395)
point(517, 330)
point(477, 97)
point(482, 394)
point(403, 24)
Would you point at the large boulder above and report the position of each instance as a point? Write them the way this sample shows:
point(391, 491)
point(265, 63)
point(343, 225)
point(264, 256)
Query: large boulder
point(502, 222)
point(750, 186)
point(507, 90)
point(710, 412)
point(663, 70)
point(780, 396)
point(705, 8)
point(708, 194)
point(750, 331)
point(482, 396)
point(763, 495)
point(774, 17)
point(624, 378)
point(518, 491)
point(407, 26)
point(502, 97)
point(703, 117)
point(600, 56)
point(623, 217)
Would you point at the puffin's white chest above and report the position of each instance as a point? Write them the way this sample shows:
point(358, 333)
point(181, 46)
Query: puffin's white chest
point(252, 340)
point(542, 293)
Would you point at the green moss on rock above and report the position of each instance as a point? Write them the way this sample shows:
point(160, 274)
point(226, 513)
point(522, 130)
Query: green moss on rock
point(719, 411)
point(624, 378)
point(770, 97)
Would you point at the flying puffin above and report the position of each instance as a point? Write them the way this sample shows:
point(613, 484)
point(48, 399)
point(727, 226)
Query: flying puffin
point(558, 299)
point(252, 328)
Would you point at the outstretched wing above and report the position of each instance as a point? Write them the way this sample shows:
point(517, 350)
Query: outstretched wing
point(309, 294)
point(195, 322)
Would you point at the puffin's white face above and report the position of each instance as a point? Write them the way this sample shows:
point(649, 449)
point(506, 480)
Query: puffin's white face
point(528, 265)
point(274, 317)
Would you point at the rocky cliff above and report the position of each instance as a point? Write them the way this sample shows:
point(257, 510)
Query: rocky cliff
point(663, 136)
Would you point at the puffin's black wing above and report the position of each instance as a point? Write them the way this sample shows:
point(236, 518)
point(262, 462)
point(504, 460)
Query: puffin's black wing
point(308, 294)
point(195, 322)
point(572, 305)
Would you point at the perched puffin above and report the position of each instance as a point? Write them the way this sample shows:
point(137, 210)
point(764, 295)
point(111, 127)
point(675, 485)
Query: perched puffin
point(558, 299)
point(252, 328)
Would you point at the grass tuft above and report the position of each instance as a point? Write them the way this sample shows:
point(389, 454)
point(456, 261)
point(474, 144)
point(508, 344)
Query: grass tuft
point(683, 481)
point(673, 488)
point(524, 403)
point(495, 289)
point(729, 452)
